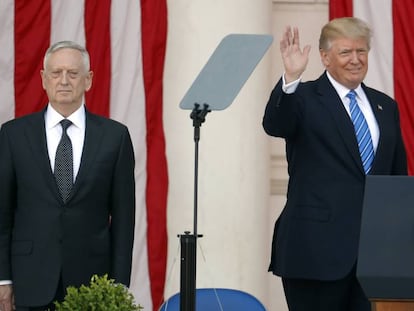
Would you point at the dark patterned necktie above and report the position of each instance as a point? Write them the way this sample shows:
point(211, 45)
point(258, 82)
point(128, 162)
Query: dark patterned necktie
point(64, 162)
point(362, 132)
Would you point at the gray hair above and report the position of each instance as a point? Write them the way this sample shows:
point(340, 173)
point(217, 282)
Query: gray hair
point(345, 27)
point(68, 45)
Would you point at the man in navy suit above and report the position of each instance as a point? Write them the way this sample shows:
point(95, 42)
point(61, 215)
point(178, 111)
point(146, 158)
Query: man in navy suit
point(315, 241)
point(50, 240)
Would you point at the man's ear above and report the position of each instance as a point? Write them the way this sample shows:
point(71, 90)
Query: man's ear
point(89, 81)
point(42, 75)
point(324, 57)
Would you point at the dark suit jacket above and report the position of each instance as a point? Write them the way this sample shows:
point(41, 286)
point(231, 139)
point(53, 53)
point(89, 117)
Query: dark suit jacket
point(42, 238)
point(317, 233)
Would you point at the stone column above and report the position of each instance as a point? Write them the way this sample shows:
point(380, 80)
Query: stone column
point(233, 202)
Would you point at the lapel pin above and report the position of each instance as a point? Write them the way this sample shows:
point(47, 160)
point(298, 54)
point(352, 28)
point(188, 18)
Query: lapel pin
point(379, 107)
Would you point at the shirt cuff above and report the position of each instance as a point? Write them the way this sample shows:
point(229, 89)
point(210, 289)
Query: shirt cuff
point(6, 282)
point(290, 87)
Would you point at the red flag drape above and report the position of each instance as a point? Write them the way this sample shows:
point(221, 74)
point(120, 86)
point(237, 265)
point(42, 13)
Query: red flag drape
point(403, 25)
point(154, 32)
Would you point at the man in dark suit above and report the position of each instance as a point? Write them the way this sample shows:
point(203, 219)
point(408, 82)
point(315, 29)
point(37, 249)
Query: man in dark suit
point(54, 236)
point(315, 241)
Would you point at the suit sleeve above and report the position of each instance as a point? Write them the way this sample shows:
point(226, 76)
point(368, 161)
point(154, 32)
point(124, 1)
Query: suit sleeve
point(281, 115)
point(7, 202)
point(399, 166)
point(123, 211)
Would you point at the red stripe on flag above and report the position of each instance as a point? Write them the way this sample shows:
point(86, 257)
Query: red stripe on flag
point(154, 32)
point(403, 25)
point(31, 40)
point(340, 8)
point(97, 33)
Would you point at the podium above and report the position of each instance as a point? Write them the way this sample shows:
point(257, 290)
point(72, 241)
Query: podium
point(385, 266)
point(392, 306)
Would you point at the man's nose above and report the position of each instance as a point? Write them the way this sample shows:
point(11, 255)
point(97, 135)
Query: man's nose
point(64, 78)
point(354, 57)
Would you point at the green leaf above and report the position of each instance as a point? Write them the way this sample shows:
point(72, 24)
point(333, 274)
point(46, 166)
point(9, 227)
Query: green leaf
point(102, 294)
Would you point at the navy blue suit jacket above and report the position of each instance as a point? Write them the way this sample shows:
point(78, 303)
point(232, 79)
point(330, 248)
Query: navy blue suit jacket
point(41, 238)
point(316, 236)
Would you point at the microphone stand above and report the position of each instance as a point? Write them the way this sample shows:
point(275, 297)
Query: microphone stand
point(188, 241)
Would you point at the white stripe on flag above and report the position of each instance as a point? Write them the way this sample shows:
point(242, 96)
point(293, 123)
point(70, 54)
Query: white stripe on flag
point(6, 60)
point(127, 104)
point(378, 14)
point(68, 21)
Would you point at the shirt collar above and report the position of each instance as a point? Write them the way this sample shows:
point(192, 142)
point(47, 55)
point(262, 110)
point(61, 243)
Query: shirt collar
point(53, 118)
point(342, 90)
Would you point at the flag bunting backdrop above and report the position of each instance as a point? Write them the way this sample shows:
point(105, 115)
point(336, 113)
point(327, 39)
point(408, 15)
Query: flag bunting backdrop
point(126, 40)
point(391, 60)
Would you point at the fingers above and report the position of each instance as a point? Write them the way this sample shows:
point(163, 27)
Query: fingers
point(295, 40)
point(288, 35)
point(6, 298)
point(291, 35)
point(306, 50)
point(290, 38)
point(284, 41)
point(7, 307)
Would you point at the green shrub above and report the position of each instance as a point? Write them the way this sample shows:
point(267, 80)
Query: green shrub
point(102, 294)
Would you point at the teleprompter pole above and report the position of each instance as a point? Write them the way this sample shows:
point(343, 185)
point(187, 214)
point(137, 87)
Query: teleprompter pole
point(217, 84)
point(188, 241)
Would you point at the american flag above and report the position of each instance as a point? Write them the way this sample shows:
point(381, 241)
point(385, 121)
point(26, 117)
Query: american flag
point(126, 41)
point(391, 59)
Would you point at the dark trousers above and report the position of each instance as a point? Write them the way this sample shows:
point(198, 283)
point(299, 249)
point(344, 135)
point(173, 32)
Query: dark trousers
point(314, 295)
point(59, 296)
point(49, 307)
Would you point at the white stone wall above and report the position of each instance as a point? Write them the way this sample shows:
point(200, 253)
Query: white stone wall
point(242, 172)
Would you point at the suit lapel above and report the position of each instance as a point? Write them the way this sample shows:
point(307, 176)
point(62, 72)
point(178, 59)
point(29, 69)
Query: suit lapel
point(93, 138)
point(36, 137)
point(377, 109)
point(330, 99)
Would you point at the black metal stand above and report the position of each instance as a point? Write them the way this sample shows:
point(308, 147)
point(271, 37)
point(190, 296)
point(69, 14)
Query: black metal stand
point(188, 241)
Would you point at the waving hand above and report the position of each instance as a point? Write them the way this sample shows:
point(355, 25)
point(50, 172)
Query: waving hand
point(295, 60)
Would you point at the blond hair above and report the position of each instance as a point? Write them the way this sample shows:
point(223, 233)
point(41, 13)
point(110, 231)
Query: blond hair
point(345, 27)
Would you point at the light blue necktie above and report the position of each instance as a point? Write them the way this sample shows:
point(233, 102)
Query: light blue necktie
point(363, 135)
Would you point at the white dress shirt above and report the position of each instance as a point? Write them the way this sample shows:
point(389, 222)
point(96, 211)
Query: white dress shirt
point(342, 91)
point(76, 133)
point(363, 104)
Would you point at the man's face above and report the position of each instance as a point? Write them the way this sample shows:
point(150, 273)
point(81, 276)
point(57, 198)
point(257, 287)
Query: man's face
point(347, 61)
point(65, 79)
